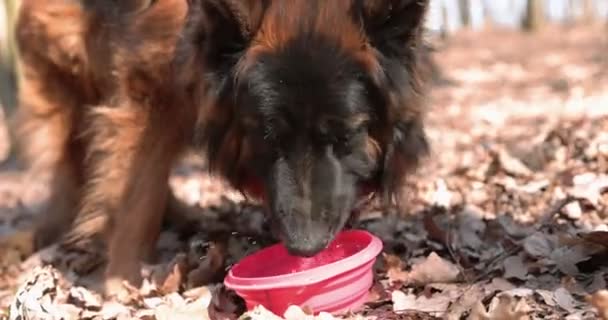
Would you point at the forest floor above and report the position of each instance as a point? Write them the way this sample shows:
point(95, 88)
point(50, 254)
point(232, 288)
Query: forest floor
point(507, 219)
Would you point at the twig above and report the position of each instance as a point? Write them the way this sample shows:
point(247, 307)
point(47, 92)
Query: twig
point(547, 216)
point(452, 252)
point(545, 219)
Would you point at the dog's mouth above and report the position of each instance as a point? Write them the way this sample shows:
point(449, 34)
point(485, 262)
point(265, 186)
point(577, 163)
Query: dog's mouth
point(254, 190)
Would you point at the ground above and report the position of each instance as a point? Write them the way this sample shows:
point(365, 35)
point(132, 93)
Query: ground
point(507, 219)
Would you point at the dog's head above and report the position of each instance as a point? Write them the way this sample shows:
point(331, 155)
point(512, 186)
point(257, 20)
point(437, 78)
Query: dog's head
point(307, 104)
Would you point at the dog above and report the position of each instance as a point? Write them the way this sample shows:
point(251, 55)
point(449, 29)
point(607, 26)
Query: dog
point(306, 105)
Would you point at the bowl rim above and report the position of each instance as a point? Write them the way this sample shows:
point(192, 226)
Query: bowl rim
point(309, 276)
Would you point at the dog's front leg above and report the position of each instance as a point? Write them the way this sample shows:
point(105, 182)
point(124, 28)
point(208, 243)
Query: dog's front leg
point(132, 150)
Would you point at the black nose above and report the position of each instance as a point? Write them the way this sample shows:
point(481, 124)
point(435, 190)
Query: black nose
point(307, 248)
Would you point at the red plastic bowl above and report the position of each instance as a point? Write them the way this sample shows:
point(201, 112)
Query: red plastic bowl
point(336, 280)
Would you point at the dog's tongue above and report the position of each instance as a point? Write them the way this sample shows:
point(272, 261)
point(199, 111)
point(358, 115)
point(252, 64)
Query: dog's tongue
point(253, 187)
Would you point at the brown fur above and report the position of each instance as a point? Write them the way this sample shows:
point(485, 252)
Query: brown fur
point(92, 109)
point(109, 100)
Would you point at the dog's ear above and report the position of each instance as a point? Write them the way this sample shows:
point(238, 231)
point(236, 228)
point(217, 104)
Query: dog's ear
point(407, 145)
point(392, 26)
point(230, 22)
point(216, 30)
point(394, 30)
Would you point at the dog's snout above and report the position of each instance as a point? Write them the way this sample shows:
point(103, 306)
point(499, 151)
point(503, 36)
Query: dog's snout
point(306, 247)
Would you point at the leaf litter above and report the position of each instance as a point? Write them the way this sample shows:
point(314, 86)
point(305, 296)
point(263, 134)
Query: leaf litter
point(494, 229)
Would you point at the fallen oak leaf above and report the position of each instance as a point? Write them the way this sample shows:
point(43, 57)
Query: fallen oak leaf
point(515, 268)
point(16, 246)
point(467, 300)
point(194, 310)
point(432, 270)
point(547, 296)
point(471, 226)
point(599, 238)
point(433, 230)
point(197, 293)
point(294, 312)
point(394, 269)
point(598, 283)
point(566, 258)
point(210, 267)
point(437, 304)
point(441, 196)
point(176, 276)
point(114, 310)
point(538, 245)
point(589, 187)
point(225, 304)
point(511, 164)
point(503, 307)
point(599, 301)
point(85, 299)
point(260, 313)
point(565, 300)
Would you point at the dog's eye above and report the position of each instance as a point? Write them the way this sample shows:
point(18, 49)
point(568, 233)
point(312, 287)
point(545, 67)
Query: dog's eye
point(362, 127)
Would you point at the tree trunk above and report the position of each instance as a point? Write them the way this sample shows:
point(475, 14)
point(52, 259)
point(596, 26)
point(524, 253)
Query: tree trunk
point(8, 56)
point(588, 15)
point(444, 23)
point(534, 17)
point(465, 12)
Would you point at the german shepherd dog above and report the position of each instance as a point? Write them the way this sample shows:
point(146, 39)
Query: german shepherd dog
point(306, 105)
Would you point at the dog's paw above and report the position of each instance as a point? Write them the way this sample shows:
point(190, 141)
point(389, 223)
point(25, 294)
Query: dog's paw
point(118, 289)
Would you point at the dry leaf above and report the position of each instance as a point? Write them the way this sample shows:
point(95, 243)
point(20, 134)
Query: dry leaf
point(176, 276)
point(225, 304)
point(441, 197)
point(599, 300)
point(598, 283)
point(565, 300)
point(394, 269)
point(534, 186)
point(538, 245)
point(197, 293)
point(436, 304)
point(515, 268)
point(470, 226)
point(573, 210)
point(500, 284)
point(193, 310)
point(153, 303)
point(432, 270)
point(466, 301)
point(16, 246)
point(208, 267)
point(112, 310)
point(512, 165)
point(512, 228)
point(297, 313)
point(35, 298)
point(503, 307)
point(433, 230)
point(599, 238)
point(84, 298)
point(548, 297)
point(260, 313)
point(567, 257)
point(589, 187)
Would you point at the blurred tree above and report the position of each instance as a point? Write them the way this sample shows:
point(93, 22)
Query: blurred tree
point(444, 22)
point(533, 18)
point(588, 11)
point(8, 55)
point(465, 12)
